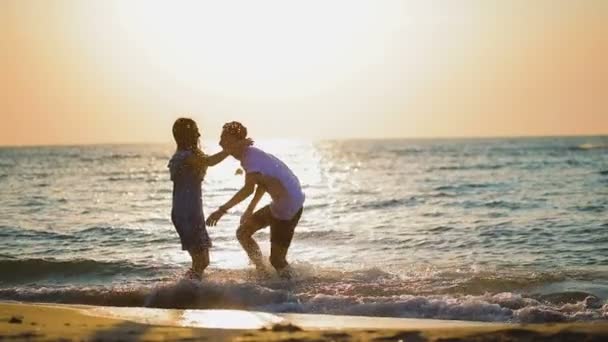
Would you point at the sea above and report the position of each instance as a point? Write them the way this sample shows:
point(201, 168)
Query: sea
point(486, 229)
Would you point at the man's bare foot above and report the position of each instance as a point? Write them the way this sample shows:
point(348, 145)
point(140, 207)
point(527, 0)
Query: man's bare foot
point(285, 273)
point(263, 272)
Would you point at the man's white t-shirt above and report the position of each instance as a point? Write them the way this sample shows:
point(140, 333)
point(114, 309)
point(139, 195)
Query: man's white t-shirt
point(284, 208)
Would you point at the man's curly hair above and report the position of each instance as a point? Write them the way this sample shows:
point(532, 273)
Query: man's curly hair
point(236, 129)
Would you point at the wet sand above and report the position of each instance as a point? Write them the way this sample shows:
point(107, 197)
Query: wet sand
point(47, 322)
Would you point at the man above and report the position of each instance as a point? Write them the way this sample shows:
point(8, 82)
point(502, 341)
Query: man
point(263, 173)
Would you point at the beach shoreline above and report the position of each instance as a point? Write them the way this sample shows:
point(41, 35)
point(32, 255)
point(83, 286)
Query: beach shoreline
point(50, 322)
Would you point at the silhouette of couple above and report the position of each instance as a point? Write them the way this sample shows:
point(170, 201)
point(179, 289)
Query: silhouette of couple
point(264, 173)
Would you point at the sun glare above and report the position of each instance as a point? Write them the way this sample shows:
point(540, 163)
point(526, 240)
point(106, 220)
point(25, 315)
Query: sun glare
point(255, 49)
point(300, 69)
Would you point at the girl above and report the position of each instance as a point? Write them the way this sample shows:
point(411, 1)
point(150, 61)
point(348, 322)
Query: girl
point(188, 167)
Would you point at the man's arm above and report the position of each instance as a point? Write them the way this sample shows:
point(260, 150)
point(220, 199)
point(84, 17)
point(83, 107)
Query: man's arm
point(259, 193)
point(251, 180)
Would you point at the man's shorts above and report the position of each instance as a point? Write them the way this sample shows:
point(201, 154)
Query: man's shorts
point(281, 231)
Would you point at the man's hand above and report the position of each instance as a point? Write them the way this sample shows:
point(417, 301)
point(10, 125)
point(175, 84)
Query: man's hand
point(215, 217)
point(246, 215)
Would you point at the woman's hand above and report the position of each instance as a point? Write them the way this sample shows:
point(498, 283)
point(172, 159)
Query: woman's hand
point(244, 143)
point(239, 144)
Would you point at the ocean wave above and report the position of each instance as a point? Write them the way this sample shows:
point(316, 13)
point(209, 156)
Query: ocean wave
point(406, 151)
point(467, 167)
point(391, 203)
point(371, 292)
point(15, 232)
point(116, 156)
point(91, 235)
point(440, 229)
point(507, 205)
point(127, 178)
point(345, 296)
point(315, 235)
point(7, 164)
point(465, 186)
point(31, 270)
point(439, 194)
point(596, 208)
point(588, 146)
point(126, 235)
point(311, 207)
point(301, 235)
point(493, 204)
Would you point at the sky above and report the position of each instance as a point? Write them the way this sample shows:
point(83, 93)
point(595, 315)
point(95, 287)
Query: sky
point(105, 71)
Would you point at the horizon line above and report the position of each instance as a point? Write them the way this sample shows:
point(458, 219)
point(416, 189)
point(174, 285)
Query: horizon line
point(598, 135)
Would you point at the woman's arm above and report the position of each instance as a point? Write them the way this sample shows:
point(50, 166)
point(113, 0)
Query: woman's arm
point(216, 158)
point(220, 156)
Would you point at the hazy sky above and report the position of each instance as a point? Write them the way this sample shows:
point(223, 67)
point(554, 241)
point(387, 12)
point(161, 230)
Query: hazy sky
point(122, 71)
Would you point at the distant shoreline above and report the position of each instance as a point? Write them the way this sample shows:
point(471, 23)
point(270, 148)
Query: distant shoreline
point(429, 138)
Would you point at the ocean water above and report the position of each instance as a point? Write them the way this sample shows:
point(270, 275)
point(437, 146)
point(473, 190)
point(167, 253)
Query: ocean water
point(512, 230)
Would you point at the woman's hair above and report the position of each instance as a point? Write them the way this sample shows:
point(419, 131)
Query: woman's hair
point(185, 133)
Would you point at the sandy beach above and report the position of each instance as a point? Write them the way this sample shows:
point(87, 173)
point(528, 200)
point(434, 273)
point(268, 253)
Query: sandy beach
point(45, 322)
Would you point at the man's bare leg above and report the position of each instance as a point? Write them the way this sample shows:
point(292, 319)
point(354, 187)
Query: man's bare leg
point(278, 260)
